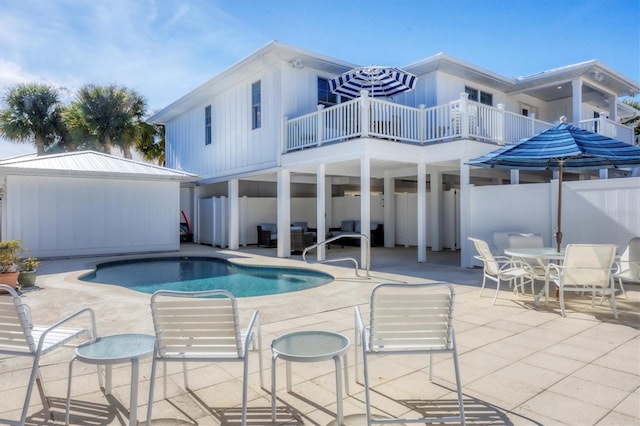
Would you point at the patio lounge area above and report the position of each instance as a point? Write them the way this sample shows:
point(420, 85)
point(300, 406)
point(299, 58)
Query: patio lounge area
point(520, 365)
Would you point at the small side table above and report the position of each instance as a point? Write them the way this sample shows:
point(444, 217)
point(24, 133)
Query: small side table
point(310, 346)
point(110, 350)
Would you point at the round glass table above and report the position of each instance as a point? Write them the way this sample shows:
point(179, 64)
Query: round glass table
point(310, 346)
point(109, 350)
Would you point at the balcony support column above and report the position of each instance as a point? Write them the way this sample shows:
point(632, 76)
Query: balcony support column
point(365, 206)
point(389, 208)
point(422, 212)
point(467, 252)
point(284, 213)
point(436, 209)
point(321, 191)
point(234, 214)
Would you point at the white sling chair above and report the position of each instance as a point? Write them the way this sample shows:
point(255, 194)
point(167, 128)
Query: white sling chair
point(586, 267)
point(538, 267)
point(629, 265)
point(201, 326)
point(408, 319)
point(501, 268)
point(19, 337)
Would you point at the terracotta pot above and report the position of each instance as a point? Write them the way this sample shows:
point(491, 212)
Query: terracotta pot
point(10, 279)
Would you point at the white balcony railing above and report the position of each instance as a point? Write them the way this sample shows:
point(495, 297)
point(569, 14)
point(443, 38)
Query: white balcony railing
point(460, 119)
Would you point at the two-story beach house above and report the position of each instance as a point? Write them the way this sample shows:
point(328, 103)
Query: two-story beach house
point(272, 144)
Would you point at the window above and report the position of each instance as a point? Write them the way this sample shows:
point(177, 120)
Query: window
point(483, 98)
point(486, 98)
point(207, 125)
point(256, 108)
point(325, 96)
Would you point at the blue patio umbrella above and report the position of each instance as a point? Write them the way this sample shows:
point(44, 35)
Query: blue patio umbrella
point(379, 81)
point(560, 148)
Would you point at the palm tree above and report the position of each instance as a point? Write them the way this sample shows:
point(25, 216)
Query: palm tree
point(635, 120)
point(150, 142)
point(32, 114)
point(111, 114)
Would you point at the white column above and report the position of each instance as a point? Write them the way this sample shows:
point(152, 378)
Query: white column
point(515, 177)
point(422, 212)
point(466, 255)
point(320, 210)
point(328, 203)
point(284, 213)
point(389, 208)
point(576, 85)
point(234, 214)
point(435, 211)
point(365, 206)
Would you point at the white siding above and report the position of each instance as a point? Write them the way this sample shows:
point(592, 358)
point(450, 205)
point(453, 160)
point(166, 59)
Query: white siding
point(235, 147)
point(69, 216)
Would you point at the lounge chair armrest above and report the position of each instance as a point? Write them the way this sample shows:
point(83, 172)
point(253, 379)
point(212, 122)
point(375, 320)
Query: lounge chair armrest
point(514, 263)
point(359, 320)
point(624, 265)
point(249, 336)
point(93, 330)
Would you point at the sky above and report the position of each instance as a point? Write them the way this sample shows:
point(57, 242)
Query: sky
point(166, 48)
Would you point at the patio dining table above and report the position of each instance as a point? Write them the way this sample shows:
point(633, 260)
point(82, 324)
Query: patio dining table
point(543, 255)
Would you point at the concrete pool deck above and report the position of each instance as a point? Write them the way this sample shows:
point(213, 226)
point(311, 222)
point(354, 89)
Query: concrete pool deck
point(519, 365)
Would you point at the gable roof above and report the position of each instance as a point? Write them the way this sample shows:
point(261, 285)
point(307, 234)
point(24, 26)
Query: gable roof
point(90, 164)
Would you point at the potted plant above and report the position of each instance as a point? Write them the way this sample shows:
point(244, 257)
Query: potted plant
point(27, 276)
point(10, 261)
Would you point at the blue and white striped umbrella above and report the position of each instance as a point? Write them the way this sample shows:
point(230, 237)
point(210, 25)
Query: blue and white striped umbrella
point(563, 147)
point(378, 81)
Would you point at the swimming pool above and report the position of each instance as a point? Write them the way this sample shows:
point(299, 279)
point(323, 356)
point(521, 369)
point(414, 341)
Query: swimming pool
point(204, 273)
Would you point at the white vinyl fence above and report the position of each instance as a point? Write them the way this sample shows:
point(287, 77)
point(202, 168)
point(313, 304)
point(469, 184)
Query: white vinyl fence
point(593, 211)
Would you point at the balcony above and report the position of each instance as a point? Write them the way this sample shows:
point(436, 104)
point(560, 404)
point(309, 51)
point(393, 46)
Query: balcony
point(367, 117)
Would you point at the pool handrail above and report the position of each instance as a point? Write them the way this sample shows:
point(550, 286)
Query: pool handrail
point(362, 237)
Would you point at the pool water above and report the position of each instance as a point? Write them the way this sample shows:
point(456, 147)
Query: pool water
point(204, 273)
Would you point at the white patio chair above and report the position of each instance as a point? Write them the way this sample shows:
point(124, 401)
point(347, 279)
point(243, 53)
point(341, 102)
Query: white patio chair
point(501, 268)
point(201, 326)
point(538, 266)
point(586, 267)
point(19, 337)
point(628, 266)
point(408, 319)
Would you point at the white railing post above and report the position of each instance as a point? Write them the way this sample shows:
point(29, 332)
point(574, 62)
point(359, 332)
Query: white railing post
point(533, 123)
point(602, 123)
point(422, 123)
point(364, 113)
point(502, 123)
point(464, 115)
point(284, 140)
point(320, 124)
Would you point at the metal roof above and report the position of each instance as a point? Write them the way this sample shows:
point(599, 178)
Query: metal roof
point(90, 164)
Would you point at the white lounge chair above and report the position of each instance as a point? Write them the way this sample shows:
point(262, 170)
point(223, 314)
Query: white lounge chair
point(501, 268)
point(19, 337)
point(201, 326)
point(629, 265)
point(408, 319)
point(586, 267)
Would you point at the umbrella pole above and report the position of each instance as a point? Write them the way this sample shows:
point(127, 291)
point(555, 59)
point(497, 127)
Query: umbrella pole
point(559, 227)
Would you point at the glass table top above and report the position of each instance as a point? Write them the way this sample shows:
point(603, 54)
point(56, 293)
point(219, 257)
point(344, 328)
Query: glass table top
point(118, 347)
point(310, 345)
